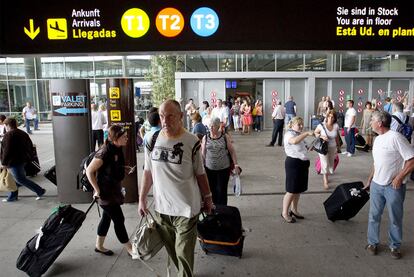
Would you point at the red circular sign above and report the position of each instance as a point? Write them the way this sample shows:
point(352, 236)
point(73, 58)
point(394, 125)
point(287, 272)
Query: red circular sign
point(359, 110)
point(360, 104)
point(398, 98)
point(379, 103)
point(341, 105)
point(341, 110)
point(341, 92)
point(360, 91)
point(341, 98)
point(274, 93)
point(273, 100)
point(213, 94)
point(273, 105)
point(399, 92)
point(380, 91)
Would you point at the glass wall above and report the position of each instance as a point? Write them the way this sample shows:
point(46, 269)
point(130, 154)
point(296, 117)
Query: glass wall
point(27, 79)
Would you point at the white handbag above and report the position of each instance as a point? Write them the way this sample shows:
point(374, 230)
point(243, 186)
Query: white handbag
point(146, 241)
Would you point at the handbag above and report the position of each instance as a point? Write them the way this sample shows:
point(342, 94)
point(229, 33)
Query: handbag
point(7, 182)
point(146, 241)
point(320, 146)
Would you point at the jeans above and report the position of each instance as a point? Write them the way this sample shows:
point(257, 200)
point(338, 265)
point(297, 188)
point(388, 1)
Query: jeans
point(277, 131)
point(27, 124)
point(350, 139)
point(19, 175)
point(288, 117)
point(394, 200)
point(258, 122)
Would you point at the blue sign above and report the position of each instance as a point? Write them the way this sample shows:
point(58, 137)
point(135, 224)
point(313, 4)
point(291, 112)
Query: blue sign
point(66, 111)
point(204, 22)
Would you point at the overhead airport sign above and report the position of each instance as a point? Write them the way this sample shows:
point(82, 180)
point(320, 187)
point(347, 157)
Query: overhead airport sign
point(84, 26)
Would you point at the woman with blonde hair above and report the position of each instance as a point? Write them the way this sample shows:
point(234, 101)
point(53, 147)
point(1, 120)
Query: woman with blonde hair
point(296, 168)
point(328, 131)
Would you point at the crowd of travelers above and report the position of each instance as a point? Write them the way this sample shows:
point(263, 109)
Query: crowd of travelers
point(189, 157)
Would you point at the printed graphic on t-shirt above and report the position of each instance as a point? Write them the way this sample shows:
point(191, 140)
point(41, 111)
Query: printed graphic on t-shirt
point(168, 155)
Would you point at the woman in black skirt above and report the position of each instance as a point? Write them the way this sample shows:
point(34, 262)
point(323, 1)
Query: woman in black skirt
point(296, 168)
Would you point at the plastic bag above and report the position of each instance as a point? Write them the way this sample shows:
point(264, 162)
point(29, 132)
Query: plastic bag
point(237, 188)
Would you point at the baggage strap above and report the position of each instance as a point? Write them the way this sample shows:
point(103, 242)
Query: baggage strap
point(220, 242)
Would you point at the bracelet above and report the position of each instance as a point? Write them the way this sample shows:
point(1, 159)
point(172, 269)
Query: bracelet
point(208, 195)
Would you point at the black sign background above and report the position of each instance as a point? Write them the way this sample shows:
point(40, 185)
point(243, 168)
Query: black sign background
point(244, 25)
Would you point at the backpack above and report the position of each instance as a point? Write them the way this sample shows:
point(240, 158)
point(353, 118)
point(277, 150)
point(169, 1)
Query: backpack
point(151, 145)
point(404, 128)
point(83, 182)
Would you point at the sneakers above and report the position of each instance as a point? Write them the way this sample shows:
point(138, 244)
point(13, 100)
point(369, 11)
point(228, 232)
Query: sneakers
point(349, 155)
point(372, 249)
point(9, 200)
point(395, 253)
point(345, 153)
point(39, 197)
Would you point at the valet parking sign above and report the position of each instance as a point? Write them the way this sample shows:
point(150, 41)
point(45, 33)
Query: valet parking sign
point(69, 104)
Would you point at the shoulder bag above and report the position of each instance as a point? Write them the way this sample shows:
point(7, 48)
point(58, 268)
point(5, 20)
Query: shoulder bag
point(7, 182)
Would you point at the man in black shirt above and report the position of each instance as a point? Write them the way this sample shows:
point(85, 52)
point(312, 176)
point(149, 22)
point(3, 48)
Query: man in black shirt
point(16, 151)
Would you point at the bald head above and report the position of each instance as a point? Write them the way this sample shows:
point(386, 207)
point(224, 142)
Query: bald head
point(171, 117)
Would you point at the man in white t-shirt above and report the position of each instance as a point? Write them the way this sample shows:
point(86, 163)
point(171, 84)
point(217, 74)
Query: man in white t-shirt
point(393, 161)
point(349, 129)
point(98, 122)
point(30, 114)
point(174, 168)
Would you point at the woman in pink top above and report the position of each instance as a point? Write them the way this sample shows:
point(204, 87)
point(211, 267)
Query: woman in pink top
point(247, 117)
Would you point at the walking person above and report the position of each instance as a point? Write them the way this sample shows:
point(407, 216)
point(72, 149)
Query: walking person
point(105, 173)
point(259, 116)
point(290, 109)
point(296, 168)
point(235, 111)
point(278, 117)
point(349, 129)
point(366, 124)
point(98, 123)
point(16, 151)
point(218, 152)
point(393, 161)
point(174, 167)
point(247, 117)
point(29, 114)
point(329, 131)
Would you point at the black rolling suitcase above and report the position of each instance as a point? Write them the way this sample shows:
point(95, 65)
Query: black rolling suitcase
point(42, 250)
point(50, 174)
point(360, 143)
point(33, 167)
point(346, 201)
point(221, 232)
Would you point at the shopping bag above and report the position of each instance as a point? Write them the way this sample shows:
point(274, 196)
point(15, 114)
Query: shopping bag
point(237, 188)
point(146, 241)
point(7, 182)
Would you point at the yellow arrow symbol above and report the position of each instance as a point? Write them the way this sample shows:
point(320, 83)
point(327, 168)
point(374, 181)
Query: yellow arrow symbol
point(32, 33)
